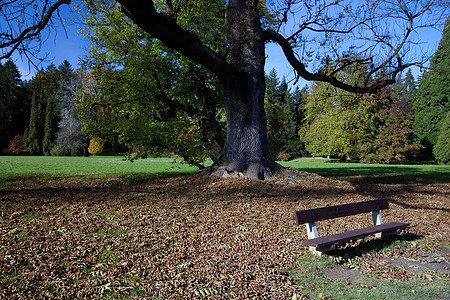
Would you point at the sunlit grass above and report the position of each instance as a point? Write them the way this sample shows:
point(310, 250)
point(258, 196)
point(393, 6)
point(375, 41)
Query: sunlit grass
point(334, 168)
point(97, 166)
point(104, 166)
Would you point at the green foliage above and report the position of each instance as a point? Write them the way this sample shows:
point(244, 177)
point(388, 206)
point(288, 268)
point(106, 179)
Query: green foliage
point(34, 134)
point(172, 107)
point(442, 148)
point(384, 129)
point(432, 102)
point(329, 114)
point(331, 134)
point(40, 135)
point(405, 88)
point(52, 118)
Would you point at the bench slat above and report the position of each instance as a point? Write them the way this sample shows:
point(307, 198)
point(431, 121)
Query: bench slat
point(331, 212)
point(354, 234)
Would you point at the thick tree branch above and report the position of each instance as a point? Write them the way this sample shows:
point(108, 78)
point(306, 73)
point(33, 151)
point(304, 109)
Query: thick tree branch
point(163, 27)
point(300, 68)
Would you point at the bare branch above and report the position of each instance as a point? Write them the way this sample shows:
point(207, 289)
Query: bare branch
point(300, 68)
point(374, 33)
point(10, 42)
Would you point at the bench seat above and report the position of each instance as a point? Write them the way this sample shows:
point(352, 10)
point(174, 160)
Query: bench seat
point(354, 234)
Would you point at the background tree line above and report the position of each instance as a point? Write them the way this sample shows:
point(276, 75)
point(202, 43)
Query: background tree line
point(38, 116)
point(177, 108)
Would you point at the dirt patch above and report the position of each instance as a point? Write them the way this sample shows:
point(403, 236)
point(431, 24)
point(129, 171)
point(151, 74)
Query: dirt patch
point(185, 237)
point(342, 273)
point(438, 260)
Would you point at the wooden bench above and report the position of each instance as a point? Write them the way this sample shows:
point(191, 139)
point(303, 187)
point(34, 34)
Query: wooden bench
point(319, 245)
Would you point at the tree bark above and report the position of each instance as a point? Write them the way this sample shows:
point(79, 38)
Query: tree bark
point(246, 148)
point(246, 151)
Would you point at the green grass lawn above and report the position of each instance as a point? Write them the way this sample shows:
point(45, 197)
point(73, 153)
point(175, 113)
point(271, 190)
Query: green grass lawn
point(103, 166)
point(334, 168)
point(97, 166)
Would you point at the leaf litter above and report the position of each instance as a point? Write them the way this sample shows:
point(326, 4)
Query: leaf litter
point(192, 237)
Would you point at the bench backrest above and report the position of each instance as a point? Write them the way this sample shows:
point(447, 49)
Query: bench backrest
point(331, 212)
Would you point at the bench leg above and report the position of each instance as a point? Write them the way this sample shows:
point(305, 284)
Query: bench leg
point(318, 251)
point(388, 233)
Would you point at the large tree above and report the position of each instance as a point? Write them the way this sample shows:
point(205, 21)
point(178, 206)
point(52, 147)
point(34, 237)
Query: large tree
point(378, 30)
point(432, 101)
point(14, 103)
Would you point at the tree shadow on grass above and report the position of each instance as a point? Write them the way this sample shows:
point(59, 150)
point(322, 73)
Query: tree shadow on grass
point(385, 174)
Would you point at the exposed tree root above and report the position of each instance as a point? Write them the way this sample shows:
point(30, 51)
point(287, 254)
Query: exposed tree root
point(255, 171)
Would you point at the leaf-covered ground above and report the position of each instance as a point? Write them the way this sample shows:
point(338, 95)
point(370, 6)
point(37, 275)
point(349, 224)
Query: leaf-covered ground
point(194, 237)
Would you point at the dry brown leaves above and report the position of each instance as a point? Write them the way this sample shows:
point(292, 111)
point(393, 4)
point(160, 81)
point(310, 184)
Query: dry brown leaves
point(174, 238)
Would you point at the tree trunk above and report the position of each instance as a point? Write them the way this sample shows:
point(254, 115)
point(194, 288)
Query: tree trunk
point(246, 151)
point(246, 148)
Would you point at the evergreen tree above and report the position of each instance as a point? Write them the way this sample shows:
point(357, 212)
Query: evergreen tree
point(299, 98)
point(405, 88)
point(294, 146)
point(432, 102)
point(282, 93)
point(271, 87)
point(52, 114)
point(41, 132)
point(442, 148)
point(34, 134)
point(14, 103)
point(228, 39)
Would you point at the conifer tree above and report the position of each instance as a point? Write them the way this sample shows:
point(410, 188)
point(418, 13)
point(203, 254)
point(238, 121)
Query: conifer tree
point(41, 132)
point(442, 148)
point(34, 134)
point(432, 102)
point(13, 108)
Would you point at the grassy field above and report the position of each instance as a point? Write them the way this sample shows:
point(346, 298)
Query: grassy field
point(97, 166)
point(104, 166)
point(334, 168)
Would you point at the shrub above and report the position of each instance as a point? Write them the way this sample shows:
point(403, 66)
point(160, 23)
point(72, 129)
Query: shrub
point(16, 146)
point(283, 156)
point(96, 145)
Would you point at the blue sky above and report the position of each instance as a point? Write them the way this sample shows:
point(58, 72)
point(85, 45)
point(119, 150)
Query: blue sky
point(72, 47)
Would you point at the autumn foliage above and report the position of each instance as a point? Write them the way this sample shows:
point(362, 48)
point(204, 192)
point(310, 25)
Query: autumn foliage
point(384, 129)
point(16, 146)
point(96, 145)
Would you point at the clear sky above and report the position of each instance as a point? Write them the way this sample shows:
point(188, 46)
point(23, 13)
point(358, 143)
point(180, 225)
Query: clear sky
point(73, 46)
